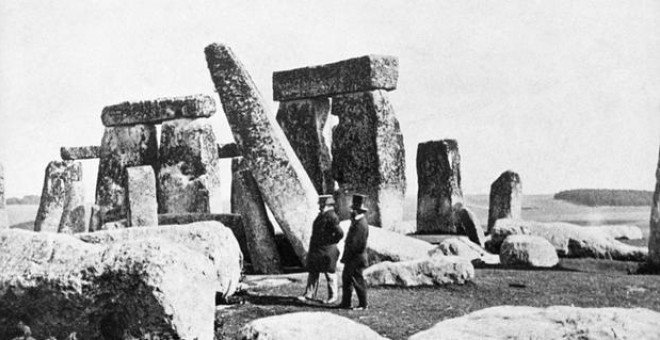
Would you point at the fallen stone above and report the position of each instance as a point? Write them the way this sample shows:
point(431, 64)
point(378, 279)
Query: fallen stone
point(146, 288)
point(306, 325)
point(653, 261)
point(122, 147)
point(282, 180)
point(569, 240)
point(617, 231)
point(368, 157)
point(4, 217)
point(229, 150)
point(528, 251)
point(231, 221)
point(80, 152)
point(505, 198)
point(213, 240)
point(554, 322)
point(463, 247)
point(189, 172)
point(469, 223)
point(142, 202)
point(114, 225)
point(439, 181)
point(431, 271)
point(53, 195)
point(158, 111)
point(366, 73)
point(74, 213)
point(303, 122)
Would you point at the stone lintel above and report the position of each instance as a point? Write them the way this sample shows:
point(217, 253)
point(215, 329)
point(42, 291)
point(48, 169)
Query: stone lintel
point(158, 110)
point(80, 152)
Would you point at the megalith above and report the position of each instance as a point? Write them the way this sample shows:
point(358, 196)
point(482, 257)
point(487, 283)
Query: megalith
point(4, 218)
point(158, 110)
point(80, 152)
point(439, 179)
point(141, 196)
point(303, 122)
point(59, 174)
point(368, 156)
point(654, 236)
point(282, 180)
point(122, 147)
point(74, 214)
point(505, 198)
point(189, 168)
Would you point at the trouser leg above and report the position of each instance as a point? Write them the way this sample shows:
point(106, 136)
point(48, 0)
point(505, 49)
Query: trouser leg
point(346, 286)
point(332, 286)
point(312, 285)
point(360, 286)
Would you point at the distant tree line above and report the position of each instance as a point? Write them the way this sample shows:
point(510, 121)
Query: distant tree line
point(602, 197)
point(26, 200)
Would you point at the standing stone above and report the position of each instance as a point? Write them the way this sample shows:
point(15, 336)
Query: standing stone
point(158, 111)
point(122, 147)
point(58, 176)
point(189, 173)
point(4, 218)
point(74, 214)
point(141, 191)
point(80, 152)
point(281, 178)
point(259, 232)
point(439, 193)
point(369, 157)
point(654, 236)
point(505, 198)
point(95, 222)
point(302, 122)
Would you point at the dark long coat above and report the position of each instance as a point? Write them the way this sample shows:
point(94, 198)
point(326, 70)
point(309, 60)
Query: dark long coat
point(323, 252)
point(355, 245)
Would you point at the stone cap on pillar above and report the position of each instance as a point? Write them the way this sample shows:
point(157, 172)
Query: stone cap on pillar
point(158, 110)
point(80, 152)
point(367, 73)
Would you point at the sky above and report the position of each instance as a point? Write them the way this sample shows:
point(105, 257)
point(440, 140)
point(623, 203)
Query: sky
point(564, 92)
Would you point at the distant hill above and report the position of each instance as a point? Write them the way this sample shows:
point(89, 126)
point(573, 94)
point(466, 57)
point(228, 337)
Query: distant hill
point(26, 200)
point(606, 197)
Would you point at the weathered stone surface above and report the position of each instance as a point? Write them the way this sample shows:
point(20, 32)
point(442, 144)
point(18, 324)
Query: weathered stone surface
point(555, 322)
point(462, 246)
point(259, 232)
point(423, 272)
point(368, 156)
point(58, 176)
point(505, 198)
point(367, 73)
point(189, 172)
point(122, 147)
point(528, 251)
point(114, 225)
point(229, 150)
point(569, 240)
point(142, 203)
point(145, 288)
point(4, 218)
point(306, 325)
point(439, 180)
point(281, 178)
point(303, 122)
point(469, 223)
point(80, 152)
point(213, 240)
point(653, 261)
point(74, 212)
point(617, 231)
point(158, 111)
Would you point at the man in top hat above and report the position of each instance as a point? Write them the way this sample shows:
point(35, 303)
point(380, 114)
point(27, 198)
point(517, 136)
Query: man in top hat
point(355, 256)
point(323, 252)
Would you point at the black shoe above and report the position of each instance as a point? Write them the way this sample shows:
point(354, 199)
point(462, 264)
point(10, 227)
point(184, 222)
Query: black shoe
point(343, 306)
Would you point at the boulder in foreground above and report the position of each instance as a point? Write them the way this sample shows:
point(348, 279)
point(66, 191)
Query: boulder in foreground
point(528, 251)
point(423, 272)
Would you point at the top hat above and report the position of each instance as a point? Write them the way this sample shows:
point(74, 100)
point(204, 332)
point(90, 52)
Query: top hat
point(326, 200)
point(358, 203)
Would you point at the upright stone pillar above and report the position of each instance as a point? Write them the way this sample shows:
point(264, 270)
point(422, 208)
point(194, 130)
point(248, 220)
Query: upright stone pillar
point(654, 236)
point(189, 172)
point(122, 147)
point(59, 174)
point(281, 178)
point(505, 198)
point(439, 194)
point(75, 212)
point(303, 121)
point(141, 196)
point(4, 218)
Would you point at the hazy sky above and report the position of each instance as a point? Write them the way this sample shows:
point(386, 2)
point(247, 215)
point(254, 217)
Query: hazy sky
point(565, 92)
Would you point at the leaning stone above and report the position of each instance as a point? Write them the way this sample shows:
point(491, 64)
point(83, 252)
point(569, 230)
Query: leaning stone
point(554, 322)
point(74, 212)
point(505, 198)
point(80, 152)
point(528, 251)
point(367, 73)
point(211, 239)
point(461, 246)
point(4, 217)
point(653, 262)
point(122, 147)
point(229, 150)
point(158, 111)
point(303, 122)
point(439, 180)
point(369, 157)
point(468, 222)
point(142, 203)
point(306, 325)
point(189, 172)
point(281, 178)
point(58, 176)
point(433, 271)
point(146, 288)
